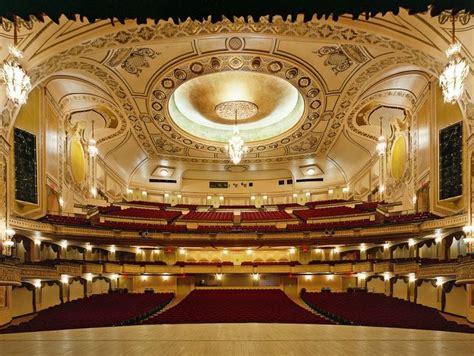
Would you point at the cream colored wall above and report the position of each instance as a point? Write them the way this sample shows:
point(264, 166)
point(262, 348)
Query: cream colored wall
point(428, 295)
point(400, 289)
point(49, 296)
point(456, 301)
point(470, 303)
point(6, 311)
point(316, 282)
point(158, 283)
point(76, 290)
point(375, 285)
point(22, 301)
point(99, 286)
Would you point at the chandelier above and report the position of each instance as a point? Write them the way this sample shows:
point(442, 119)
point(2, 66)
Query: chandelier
point(92, 148)
point(381, 144)
point(455, 72)
point(233, 110)
point(17, 81)
point(235, 148)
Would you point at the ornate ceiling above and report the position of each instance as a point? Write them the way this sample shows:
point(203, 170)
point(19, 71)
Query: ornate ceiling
point(314, 90)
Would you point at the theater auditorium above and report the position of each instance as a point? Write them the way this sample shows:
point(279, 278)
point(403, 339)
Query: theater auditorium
point(240, 178)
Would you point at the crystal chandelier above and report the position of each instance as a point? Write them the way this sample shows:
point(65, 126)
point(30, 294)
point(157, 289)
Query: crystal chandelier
point(92, 148)
point(236, 149)
point(455, 72)
point(381, 144)
point(17, 81)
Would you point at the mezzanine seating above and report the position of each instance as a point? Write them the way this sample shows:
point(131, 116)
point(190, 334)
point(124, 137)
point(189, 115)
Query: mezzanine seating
point(95, 311)
point(372, 309)
point(409, 218)
point(326, 212)
point(210, 216)
point(66, 220)
point(125, 225)
point(147, 214)
point(236, 306)
point(265, 216)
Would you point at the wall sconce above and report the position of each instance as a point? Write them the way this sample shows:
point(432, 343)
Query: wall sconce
point(219, 276)
point(412, 277)
point(256, 276)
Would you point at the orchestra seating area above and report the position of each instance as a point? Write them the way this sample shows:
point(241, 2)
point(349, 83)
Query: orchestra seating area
point(96, 311)
point(372, 309)
point(236, 306)
point(160, 217)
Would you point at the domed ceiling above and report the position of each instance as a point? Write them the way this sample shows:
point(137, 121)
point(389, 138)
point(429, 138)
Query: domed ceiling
point(299, 87)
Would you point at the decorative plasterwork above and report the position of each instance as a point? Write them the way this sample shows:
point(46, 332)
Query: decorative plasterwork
point(9, 274)
point(302, 79)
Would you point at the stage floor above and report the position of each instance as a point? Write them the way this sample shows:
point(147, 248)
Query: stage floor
point(238, 339)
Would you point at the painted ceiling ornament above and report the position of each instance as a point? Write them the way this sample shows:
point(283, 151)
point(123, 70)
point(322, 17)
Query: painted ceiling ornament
point(137, 59)
point(341, 58)
point(455, 72)
point(17, 81)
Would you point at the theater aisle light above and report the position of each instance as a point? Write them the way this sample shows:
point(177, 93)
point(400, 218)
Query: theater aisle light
point(455, 72)
point(17, 81)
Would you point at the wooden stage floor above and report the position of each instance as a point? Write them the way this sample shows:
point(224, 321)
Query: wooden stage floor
point(238, 339)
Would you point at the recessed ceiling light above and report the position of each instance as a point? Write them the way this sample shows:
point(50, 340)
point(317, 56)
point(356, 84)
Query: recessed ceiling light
point(310, 171)
point(164, 172)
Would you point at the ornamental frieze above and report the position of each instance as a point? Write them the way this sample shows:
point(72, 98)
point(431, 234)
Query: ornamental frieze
point(9, 274)
point(437, 270)
point(38, 272)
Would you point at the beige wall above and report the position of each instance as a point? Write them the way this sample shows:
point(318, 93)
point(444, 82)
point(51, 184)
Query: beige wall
point(76, 290)
point(158, 283)
point(470, 302)
point(6, 310)
point(400, 289)
point(22, 301)
point(456, 301)
point(375, 285)
point(428, 295)
point(99, 286)
point(315, 283)
point(49, 296)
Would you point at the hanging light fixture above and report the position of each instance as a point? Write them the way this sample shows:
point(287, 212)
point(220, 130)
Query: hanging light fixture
point(455, 72)
point(92, 148)
point(17, 81)
point(236, 148)
point(382, 143)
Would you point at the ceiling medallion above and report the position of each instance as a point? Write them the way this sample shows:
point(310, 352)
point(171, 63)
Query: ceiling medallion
point(236, 110)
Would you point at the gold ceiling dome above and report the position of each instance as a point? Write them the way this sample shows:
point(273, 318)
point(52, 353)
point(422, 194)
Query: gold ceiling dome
point(206, 106)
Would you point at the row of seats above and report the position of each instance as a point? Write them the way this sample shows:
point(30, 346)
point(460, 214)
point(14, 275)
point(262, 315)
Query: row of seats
point(209, 216)
point(66, 220)
point(407, 218)
point(148, 214)
point(95, 311)
point(306, 214)
point(236, 306)
point(372, 309)
point(265, 215)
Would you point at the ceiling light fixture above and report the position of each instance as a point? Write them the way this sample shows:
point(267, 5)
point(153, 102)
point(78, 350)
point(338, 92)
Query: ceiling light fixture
point(455, 72)
point(381, 144)
point(236, 148)
point(92, 148)
point(17, 81)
